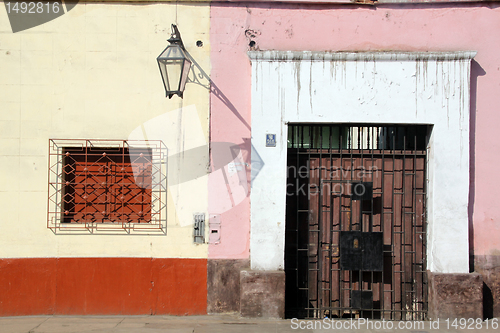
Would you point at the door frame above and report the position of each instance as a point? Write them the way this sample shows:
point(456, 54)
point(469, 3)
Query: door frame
point(321, 210)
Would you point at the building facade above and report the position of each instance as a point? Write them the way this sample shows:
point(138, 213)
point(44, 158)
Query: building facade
point(242, 195)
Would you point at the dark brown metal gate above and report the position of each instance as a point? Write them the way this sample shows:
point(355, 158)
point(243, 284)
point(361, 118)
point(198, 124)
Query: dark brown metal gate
point(355, 222)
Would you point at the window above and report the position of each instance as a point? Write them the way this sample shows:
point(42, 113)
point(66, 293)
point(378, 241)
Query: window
point(358, 136)
point(106, 185)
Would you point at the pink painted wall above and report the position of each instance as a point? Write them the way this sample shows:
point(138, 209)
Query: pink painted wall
point(361, 28)
point(230, 122)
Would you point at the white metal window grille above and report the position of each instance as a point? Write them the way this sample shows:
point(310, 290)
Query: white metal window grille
point(107, 185)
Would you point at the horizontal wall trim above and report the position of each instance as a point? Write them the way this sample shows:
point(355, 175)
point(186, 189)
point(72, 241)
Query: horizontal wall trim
point(359, 56)
point(103, 286)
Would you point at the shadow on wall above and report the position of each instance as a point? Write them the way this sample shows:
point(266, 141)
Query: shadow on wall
point(481, 267)
point(199, 76)
point(189, 152)
point(487, 302)
point(476, 71)
point(219, 153)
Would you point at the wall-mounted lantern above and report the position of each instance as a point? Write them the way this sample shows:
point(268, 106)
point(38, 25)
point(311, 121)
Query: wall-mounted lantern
point(174, 65)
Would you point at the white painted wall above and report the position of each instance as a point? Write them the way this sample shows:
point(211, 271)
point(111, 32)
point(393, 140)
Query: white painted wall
point(371, 87)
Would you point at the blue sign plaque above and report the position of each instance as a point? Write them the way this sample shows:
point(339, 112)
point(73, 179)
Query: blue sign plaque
point(270, 140)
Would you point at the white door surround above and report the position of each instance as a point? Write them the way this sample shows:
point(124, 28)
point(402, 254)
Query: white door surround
point(364, 87)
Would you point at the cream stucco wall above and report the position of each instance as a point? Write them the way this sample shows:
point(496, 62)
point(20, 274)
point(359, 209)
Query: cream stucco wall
point(92, 74)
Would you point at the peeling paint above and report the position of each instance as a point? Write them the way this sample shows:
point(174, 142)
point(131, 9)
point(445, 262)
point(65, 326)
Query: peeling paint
point(298, 81)
point(311, 85)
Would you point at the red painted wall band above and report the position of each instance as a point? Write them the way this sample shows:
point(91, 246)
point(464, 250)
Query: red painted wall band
point(105, 286)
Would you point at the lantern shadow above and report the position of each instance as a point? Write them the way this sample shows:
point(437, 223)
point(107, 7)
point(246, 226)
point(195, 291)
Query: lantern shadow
point(198, 75)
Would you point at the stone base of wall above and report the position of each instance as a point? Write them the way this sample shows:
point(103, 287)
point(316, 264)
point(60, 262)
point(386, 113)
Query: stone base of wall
point(455, 295)
point(223, 284)
point(262, 294)
point(489, 267)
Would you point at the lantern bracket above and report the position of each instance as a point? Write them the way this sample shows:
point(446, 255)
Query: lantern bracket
point(176, 37)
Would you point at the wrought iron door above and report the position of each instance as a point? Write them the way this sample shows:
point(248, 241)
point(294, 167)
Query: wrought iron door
point(356, 227)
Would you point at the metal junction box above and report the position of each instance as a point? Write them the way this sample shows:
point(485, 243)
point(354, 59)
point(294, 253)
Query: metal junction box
point(199, 228)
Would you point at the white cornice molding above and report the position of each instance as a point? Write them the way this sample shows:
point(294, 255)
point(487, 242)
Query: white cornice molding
point(359, 56)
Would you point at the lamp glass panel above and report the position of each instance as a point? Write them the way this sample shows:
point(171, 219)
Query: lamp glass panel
point(174, 52)
point(163, 72)
point(173, 70)
point(185, 73)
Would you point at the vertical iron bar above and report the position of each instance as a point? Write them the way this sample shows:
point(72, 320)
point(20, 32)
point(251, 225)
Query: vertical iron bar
point(318, 247)
point(296, 266)
point(360, 203)
point(370, 216)
point(330, 214)
point(308, 278)
point(413, 228)
point(382, 218)
point(403, 223)
point(424, 226)
point(341, 204)
point(320, 227)
point(393, 227)
point(351, 273)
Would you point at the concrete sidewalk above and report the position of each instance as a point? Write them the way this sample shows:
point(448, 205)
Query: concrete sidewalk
point(216, 323)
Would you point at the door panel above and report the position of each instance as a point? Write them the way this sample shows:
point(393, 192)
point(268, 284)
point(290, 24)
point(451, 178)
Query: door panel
point(359, 254)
